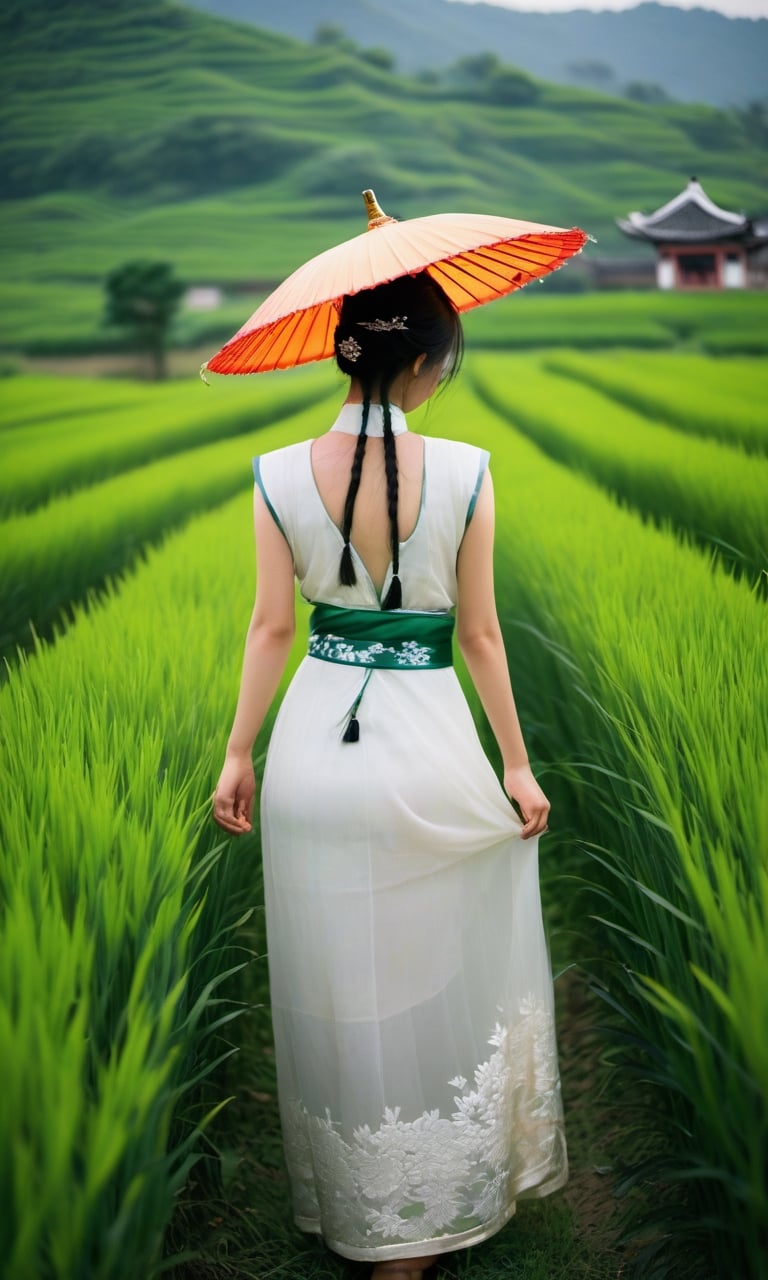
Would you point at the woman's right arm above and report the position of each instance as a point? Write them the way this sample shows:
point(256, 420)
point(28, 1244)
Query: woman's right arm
point(482, 647)
point(267, 646)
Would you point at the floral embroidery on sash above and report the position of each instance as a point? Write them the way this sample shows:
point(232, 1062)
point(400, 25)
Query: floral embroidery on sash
point(408, 653)
point(410, 1180)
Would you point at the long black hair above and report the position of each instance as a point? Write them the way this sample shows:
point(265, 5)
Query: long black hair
point(380, 334)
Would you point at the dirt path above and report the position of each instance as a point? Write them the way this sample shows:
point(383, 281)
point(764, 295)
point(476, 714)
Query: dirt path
point(591, 1126)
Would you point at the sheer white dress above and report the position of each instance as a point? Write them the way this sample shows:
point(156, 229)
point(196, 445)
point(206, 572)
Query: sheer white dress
point(410, 975)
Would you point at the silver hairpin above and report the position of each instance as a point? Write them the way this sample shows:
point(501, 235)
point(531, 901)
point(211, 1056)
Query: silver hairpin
point(349, 349)
point(384, 326)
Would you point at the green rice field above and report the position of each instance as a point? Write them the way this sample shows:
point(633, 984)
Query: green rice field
point(632, 554)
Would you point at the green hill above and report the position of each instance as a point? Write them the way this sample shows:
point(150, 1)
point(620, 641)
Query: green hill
point(155, 130)
point(694, 55)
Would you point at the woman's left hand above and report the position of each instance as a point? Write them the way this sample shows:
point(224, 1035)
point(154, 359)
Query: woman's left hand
point(234, 796)
point(521, 786)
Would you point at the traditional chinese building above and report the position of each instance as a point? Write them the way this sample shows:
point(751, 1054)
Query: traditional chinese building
point(700, 245)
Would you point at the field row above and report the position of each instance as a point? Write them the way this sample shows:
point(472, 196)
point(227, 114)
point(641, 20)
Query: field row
point(51, 556)
point(119, 900)
point(118, 909)
point(641, 676)
point(722, 399)
point(722, 324)
point(52, 447)
point(706, 489)
point(719, 323)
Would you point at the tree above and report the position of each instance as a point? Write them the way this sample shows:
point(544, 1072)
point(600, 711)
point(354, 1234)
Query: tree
point(477, 66)
point(592, 71)
point(512, 88)
point(754, 117)
point(483, 77)
point(331, 34)
point(142, 297)
point(646, 91)
point(379, 57)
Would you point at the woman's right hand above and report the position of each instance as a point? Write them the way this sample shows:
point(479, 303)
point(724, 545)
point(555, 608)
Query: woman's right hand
point(234, 796)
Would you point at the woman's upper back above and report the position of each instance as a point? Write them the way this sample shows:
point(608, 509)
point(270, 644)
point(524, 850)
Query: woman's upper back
point(305, 486)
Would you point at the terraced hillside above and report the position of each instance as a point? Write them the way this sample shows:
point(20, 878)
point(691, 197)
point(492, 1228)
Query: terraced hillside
point(646, 44)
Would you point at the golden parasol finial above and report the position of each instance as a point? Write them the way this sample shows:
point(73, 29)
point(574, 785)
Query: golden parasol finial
point(376, 215)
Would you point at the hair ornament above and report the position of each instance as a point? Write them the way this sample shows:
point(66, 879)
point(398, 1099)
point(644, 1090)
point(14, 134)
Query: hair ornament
point(384, 326)
point(349, 349)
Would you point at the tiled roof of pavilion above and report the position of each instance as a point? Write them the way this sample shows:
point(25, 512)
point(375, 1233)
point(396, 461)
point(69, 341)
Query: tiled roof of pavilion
point(691, 217)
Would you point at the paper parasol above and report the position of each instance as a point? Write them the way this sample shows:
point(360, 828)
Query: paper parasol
point(474, 257)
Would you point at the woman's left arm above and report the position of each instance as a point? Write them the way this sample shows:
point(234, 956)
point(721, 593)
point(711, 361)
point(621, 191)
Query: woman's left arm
point(267, 646)
point(482, 646)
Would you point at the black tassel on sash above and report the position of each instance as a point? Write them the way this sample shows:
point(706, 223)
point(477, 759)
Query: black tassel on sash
point(352, 731)
point(374, 639)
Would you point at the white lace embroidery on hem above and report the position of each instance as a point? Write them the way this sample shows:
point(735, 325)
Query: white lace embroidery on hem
point(410, 1181)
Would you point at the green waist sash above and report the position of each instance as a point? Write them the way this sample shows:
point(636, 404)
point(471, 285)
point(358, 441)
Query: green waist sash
point(368, 638)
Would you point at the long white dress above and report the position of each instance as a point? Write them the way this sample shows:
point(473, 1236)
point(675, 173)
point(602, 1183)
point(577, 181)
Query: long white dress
point(410, 975)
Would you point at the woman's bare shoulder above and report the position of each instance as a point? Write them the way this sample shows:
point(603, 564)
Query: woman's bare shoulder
point(461, 450)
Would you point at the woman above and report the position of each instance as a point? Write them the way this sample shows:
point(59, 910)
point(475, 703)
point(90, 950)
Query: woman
point(409, 972)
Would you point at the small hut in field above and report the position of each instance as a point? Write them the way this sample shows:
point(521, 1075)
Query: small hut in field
point(701, 246)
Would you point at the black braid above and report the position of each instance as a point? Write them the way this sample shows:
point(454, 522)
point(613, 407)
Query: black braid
point(347, 575)
point(394, 597)
point(381, 332)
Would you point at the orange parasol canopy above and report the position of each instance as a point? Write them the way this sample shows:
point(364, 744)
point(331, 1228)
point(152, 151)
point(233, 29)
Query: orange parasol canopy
point(474, 257)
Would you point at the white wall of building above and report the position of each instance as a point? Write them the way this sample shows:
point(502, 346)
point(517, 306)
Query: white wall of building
point(734, 276)
point(665, 273)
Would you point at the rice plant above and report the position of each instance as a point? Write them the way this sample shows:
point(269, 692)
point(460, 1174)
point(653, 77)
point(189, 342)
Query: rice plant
point(29, 399)
point(624, 318)
point(51, 556)
point(60, 450)
point(724, 400)
point(735, 341)
point(118, 905)
point(716, 493)
point(640, 668)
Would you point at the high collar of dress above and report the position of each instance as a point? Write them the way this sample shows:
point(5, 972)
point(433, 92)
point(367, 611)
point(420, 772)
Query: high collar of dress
point(350, 420)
